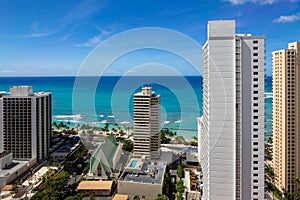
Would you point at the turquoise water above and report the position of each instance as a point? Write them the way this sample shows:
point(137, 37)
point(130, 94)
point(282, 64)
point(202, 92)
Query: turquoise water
point(133, 163)
point(112, 100)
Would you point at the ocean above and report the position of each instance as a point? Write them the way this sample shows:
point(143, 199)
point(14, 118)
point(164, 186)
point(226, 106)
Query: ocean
point(84, 100)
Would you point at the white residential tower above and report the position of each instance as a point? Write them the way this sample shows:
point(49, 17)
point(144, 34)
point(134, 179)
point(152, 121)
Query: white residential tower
point(231, 130)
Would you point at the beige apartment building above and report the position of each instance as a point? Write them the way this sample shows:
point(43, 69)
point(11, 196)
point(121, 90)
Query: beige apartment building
point(146, 124)
point(286, 110)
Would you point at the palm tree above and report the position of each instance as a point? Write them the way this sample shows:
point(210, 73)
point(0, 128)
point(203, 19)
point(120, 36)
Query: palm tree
point(270, 176)
point(296, 181)
point(195, 138)
point(270, 140)
point(55, 125)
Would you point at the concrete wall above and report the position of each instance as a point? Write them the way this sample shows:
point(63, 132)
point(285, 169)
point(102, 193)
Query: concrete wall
point(5, 161)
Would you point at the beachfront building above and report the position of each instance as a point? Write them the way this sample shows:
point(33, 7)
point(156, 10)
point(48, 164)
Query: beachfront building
point(232, 126)
point(25, 123)
point(146, 124)
point(286, 124)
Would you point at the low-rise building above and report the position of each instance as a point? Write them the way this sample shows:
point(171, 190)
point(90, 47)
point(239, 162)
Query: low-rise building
point(142, 178)
point(11, 169)
point(96, 188)
point(120, 197)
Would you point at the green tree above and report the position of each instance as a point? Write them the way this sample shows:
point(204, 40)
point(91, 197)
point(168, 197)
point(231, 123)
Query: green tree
point(128, 145)
point(195, 138)
point(180, 187)
point(161, 197)
point(180, 171)
point(179, 196)
point(166, 183)
point(76, 197)
point(296, 182)
point(53, 187)
point(136, 197)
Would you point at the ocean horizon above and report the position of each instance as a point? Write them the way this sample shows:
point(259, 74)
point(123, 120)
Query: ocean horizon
point(80, 100)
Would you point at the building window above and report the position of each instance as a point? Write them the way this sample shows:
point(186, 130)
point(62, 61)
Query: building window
point(255, 41)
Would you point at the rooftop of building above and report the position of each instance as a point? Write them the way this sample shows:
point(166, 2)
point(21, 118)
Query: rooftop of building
point(13, 167)
point(95, 185)
point(4, 153)
point(7, 188)
point(120, 197)
point(146, 91)
point(147, 172)
point(23, 91)
point(108, 148)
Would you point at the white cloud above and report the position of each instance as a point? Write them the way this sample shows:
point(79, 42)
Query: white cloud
point(30, 35)
point(262, 2)
point(94, 41)
point(7, 71)
point(287, 18)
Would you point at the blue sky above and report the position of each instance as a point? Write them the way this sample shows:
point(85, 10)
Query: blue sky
point(54, 37)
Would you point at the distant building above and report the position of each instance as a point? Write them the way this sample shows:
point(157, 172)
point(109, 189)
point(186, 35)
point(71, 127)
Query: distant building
point(286, 115)
point(232, 127)
point(96, 188)
point(25, 123)
point(108, 159)
point(142, 178)
point(146, 124)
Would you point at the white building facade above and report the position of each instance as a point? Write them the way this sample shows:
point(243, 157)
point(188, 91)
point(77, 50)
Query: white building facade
point(25, 123)
point(231, 130)
point(146, 124)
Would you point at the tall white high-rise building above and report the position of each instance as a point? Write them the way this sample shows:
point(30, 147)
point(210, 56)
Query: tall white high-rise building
point(146, 124)
point(25, 123)
point(231, 130)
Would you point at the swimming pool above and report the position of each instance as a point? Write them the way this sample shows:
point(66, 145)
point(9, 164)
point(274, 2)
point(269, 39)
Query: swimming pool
point(133, 163)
